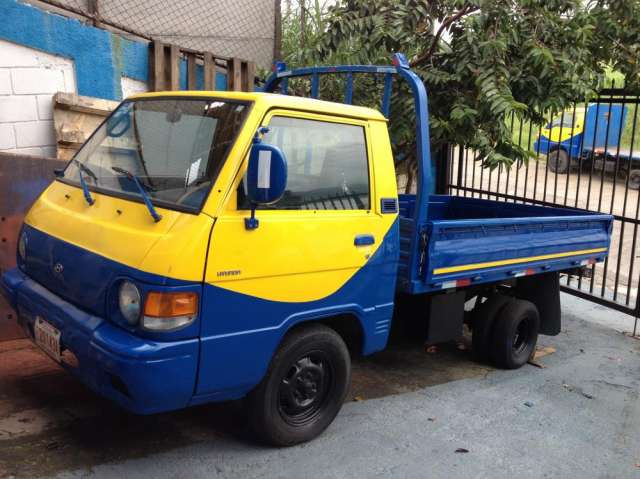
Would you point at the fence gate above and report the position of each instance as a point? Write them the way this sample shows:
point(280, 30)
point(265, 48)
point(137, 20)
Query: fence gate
point(587, 156)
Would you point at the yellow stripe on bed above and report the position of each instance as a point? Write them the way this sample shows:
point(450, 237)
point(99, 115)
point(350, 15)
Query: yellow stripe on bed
point(491, 264)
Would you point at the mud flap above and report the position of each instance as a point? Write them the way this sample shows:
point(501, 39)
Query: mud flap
point(543, 290)
point(446, 316)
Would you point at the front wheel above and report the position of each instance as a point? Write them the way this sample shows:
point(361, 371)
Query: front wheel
point(559, 161)
point(515, 334)
point(304, 388)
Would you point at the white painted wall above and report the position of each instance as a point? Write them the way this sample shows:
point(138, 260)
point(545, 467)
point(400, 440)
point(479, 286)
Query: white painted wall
point(131, 87)
point(28, 80)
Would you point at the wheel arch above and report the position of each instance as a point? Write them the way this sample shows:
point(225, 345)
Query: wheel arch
point(559, 146)
point(347, 324)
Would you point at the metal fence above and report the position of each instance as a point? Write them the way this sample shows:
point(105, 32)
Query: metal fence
point(226, 28)
point(587, 156)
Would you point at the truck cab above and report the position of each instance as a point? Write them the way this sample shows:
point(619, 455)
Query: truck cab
point(123, 275)
point(589, 136)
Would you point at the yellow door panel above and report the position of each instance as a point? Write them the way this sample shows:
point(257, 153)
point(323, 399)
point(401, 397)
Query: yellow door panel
point(299, 255)
point(292, 256)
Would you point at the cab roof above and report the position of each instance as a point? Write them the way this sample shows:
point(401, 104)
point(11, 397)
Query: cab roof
point(273, 100)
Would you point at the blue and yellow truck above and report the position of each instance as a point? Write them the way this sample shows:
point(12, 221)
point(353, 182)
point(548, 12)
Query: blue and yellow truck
point(211, 246)
point(590, 137)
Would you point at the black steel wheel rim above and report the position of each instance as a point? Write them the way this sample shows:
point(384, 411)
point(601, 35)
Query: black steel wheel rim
point(522, 336)
point(306, 388)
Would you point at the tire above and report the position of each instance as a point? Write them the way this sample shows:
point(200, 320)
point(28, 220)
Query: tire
point(634, 179)
point(559, 161)
point(515, 334)
point(482, 322)
point(622, 174)
point(304, 388)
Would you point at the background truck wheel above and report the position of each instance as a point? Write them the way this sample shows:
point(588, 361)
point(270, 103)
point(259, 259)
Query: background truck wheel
point(634, 179)
point(559, 161)
point(514, 334)
point(482, 322)
point(304, 388)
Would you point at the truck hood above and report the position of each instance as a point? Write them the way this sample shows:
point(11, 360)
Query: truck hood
point(78, 251)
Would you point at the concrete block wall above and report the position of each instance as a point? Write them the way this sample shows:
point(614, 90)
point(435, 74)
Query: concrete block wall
point(42, 52)
point(28, 80)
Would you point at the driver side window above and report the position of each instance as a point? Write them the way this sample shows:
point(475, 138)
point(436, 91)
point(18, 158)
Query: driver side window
point(327, 165)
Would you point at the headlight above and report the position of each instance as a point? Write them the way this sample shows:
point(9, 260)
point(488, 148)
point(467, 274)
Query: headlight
point(22, 246)
point(129, 302)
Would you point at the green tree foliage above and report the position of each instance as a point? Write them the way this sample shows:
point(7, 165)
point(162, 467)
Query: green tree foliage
point(483, 61)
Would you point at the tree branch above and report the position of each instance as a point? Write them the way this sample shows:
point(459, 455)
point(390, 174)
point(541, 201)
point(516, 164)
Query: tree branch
point(446, 23)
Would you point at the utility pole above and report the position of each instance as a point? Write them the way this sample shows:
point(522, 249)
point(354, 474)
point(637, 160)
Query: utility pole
point(94, 11)
point(303, 24)
point(277, 31)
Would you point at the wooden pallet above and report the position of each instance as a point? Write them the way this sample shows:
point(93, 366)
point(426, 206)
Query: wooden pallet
point(75, 118)
point(165, 69)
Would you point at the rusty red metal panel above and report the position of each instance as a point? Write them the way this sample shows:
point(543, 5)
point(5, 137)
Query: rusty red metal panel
point(22, 179)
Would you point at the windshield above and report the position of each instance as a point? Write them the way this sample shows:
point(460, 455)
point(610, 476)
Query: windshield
point(566, 122)
point(173, 147)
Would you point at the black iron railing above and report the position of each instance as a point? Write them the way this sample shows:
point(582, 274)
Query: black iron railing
point(590, 159)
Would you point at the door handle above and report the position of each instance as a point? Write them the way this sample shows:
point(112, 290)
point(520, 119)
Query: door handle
point(363, 240)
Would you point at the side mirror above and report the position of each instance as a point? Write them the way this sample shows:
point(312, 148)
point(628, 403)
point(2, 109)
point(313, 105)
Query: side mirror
point(266, 178)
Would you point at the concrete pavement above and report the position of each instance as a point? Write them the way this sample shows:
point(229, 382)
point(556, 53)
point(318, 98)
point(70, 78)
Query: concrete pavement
point(577, 417)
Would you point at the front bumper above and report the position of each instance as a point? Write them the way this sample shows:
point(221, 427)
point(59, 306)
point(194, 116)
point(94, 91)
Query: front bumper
point(141, 375)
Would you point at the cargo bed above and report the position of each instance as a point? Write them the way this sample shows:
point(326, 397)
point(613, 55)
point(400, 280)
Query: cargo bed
point(468, 241)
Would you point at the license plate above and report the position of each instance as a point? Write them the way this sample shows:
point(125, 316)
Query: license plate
point(48, 338)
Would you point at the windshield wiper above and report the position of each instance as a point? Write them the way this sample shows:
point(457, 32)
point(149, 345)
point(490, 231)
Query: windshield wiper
point(87, 170)
point(85, 188)
point(147, 201)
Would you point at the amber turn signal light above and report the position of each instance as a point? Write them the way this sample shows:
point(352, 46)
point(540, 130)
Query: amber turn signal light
point(171, 304)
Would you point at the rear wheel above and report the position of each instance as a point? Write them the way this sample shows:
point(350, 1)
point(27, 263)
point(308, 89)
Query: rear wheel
point(634, 179)
point(515, 334)
point(304, 389)
point(559, 161)
point(482, 323)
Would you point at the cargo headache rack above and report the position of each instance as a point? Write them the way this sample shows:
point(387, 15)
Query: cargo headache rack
point(412, 249)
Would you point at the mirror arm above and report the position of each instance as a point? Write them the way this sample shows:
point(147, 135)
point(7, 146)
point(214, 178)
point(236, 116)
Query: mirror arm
point(252, 222)
point(263, 130)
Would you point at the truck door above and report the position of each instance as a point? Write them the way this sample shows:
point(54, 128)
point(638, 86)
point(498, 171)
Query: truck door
point(324, 249)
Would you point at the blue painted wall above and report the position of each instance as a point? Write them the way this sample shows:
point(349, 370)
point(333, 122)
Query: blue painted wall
point(101, 58)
